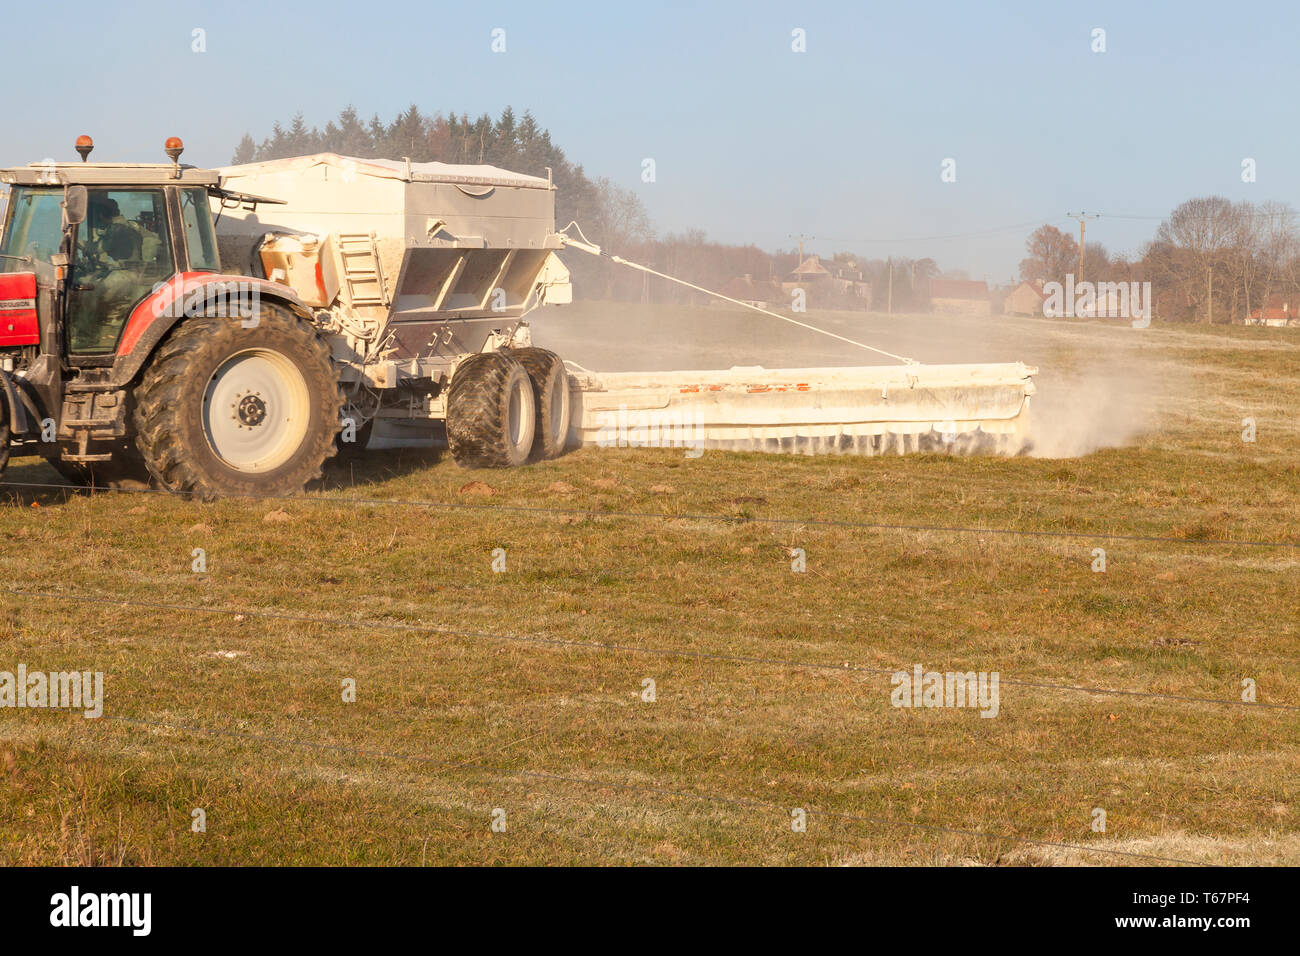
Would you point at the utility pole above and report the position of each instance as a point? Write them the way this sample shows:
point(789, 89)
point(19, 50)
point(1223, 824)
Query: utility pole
point(1083, 225)
point(891, 284)
point(798, 274)
point(1209, 293)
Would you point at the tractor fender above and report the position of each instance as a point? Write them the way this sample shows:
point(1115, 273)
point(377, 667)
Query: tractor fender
point(190, 294)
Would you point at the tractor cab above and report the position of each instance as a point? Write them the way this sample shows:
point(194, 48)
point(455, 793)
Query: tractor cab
point(88, 251)
point(142, 225)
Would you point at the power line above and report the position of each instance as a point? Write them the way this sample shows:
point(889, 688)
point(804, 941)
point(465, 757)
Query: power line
point(957, 235)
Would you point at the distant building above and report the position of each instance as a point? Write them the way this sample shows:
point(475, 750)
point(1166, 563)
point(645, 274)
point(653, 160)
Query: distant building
point(814, 273)
point(808, 275)
point(760, 293)
point(849, 280)
point(1025, 299)
point(960, 296)
point(810, 270)
point(1277, 310)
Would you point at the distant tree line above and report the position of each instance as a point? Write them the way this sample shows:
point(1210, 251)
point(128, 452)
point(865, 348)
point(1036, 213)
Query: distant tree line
point(1211, 260)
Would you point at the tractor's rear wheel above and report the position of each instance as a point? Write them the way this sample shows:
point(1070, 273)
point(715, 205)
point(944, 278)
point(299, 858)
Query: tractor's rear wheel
point(228, 410)
point(491, 413)
point(551, 396)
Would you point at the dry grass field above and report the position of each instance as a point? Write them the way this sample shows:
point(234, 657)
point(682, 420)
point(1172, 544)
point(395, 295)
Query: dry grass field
point(522, 692)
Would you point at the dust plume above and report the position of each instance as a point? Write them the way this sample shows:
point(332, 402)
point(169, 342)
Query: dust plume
point(1081, 411)
point(1097, 385)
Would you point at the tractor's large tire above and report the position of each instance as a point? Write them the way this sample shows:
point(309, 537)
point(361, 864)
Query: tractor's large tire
point(551, 396)
point(491, 414)
point(227, 410)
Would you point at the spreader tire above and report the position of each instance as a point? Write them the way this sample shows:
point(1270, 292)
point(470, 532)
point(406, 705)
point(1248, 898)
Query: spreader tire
point(551, 395)
point(491, 413)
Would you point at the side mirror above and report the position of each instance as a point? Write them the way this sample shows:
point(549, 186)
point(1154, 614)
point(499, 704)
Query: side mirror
point(74, 205)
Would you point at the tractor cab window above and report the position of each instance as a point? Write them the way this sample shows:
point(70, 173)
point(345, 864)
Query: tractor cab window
point(200, 240)
point(33, 227)
point(122, 253)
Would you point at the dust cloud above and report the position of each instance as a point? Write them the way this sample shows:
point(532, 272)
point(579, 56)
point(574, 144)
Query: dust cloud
point(1095, 387)
point(1079, 412)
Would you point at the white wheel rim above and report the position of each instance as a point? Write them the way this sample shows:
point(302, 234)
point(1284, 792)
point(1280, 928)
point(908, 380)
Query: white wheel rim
point(256, 411)
point(559, 399)
point(516, 421)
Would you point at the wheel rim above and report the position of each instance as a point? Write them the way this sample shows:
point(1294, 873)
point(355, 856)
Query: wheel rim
point(515, 418)
point(559, 398)
point(256, 411)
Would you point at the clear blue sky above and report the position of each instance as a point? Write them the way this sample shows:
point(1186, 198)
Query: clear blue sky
point(753, 142)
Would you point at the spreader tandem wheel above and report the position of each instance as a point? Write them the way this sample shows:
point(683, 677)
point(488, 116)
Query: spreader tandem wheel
point(551, 394)
point(491, 412)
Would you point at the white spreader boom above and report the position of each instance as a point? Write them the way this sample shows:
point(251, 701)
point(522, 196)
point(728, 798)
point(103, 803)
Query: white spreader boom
point(858, 410)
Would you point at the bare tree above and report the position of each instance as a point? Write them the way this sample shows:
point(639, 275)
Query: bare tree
point(1277, 249)
point(1052, 254)
point(1207, 231)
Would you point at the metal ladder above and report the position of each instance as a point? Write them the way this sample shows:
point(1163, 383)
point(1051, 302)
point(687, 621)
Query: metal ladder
point(362, 273)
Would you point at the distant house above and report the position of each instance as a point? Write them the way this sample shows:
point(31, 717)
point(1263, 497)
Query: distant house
point(756, 292)
point(849, 280)
point(809, 273)
point(1277, 310)
point(960, 296)
point(815, 273)
point(1025, 299)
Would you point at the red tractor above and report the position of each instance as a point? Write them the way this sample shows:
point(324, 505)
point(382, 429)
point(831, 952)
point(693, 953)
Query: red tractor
point(126, 354)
